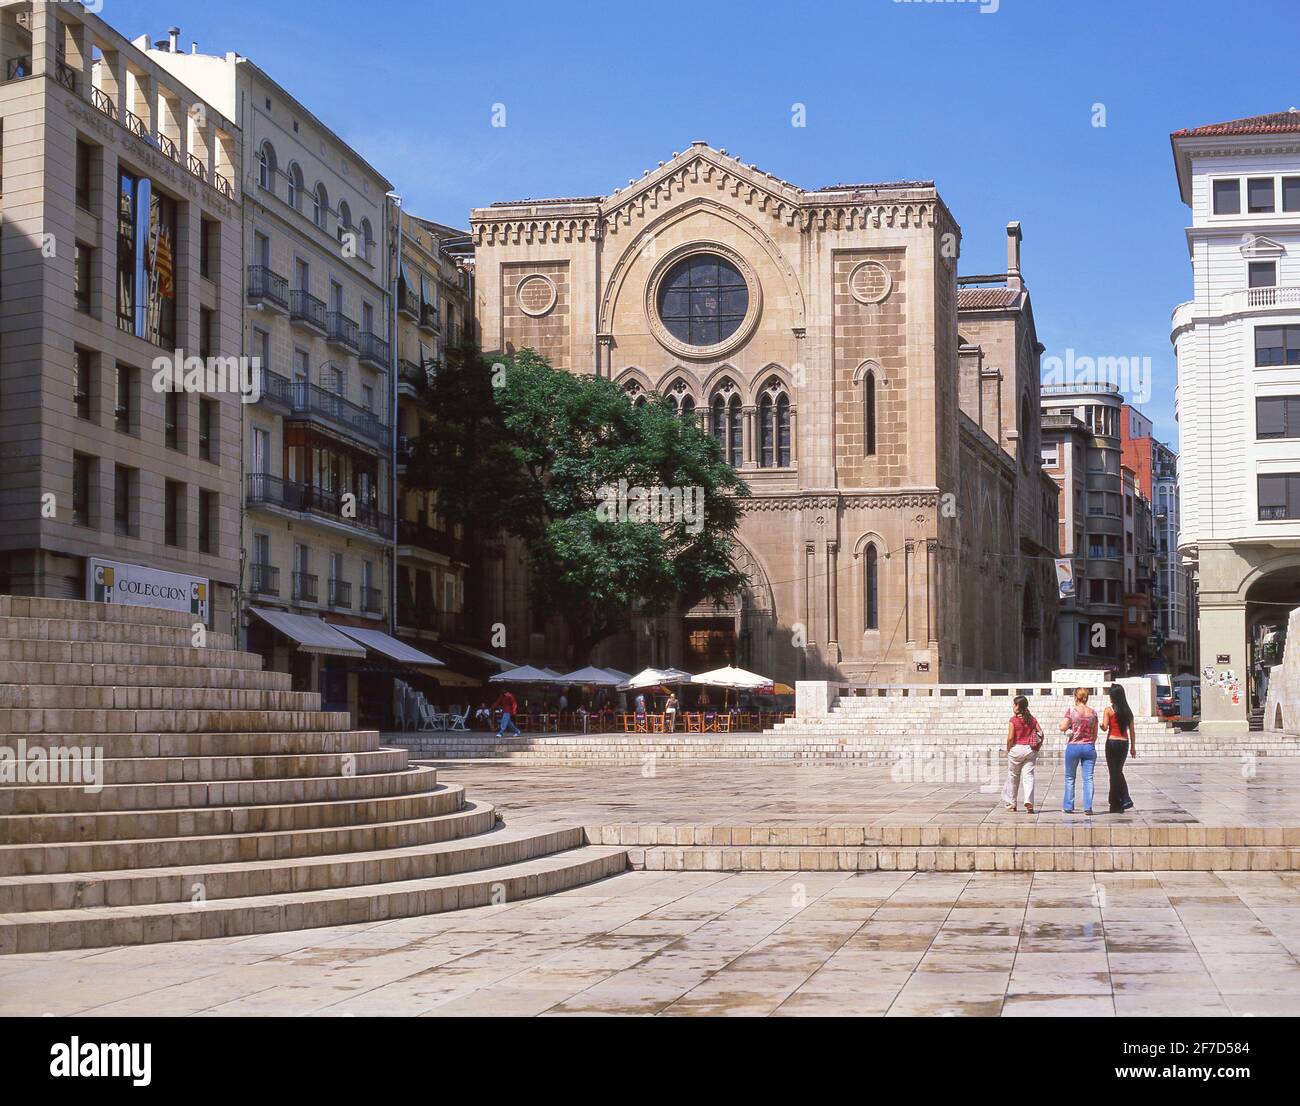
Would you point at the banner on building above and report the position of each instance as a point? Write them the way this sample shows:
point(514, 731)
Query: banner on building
point(1065, 577)
point(138, 586)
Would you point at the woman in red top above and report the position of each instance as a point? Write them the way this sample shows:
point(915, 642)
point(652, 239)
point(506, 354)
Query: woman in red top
point(1024, 738)
point(1121, 743)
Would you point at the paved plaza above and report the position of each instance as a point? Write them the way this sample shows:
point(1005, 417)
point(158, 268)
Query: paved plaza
point(691, 943)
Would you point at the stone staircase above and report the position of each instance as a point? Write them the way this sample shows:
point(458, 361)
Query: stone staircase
point(155, 791)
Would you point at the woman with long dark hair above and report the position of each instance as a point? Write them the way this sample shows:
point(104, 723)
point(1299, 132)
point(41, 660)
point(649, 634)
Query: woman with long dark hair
point(1121, 741)
point(1024, 738)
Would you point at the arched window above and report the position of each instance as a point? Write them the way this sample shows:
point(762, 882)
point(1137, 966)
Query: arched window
point(320, 205)
point(774, 425)
point(718, 422)
point(766, 433)
point(869, 413)
point(266, 166)
point(295, 186)
point(345, 219)
point(367, 239)
point(783, 431)
point(735, 430)
point(870, 588)
point(726, 422)
point(687, 408)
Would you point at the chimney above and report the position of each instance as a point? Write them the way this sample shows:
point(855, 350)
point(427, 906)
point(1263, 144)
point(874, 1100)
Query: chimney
point(174, 39)
point(1013, 255)
point(194, 47)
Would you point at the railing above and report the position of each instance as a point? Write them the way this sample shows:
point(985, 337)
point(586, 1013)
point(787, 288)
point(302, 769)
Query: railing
point(196, 167)
point(19, 67)
point(266, 579)
point(104, 102)
point(427, 617)
point(166, 146)
point(136, 126)
point(343, 330)
point(374, 349)
point(304, 587)
point(304, 307)
point(304, 398)
point(340, 593)
point(267, 490)
point(408, 372)
point(265, 284)
point(222, 185)
point(429, 318)
point(423, 536)
point(65, 75)
point(408, 303)
point(372, 600)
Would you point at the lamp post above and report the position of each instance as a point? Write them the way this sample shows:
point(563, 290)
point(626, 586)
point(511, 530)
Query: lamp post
point(394, 269)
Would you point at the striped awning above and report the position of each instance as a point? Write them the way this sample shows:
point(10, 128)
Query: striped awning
point(313, 635)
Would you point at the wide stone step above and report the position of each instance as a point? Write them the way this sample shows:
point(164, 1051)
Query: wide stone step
point(73, 799)
point(54, 720)
point(192, 769)
point(112, 653)
point(446, 819)
point(143, 924)
point(128, 633)
point(34, 696)
point(491, 849)
point(142, 675)
point(114, 825)
point(232, 743)
point(24, 606)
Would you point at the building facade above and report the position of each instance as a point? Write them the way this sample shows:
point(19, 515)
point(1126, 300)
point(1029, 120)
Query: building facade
point(1238, 347)
point(318, 446)
point(121, 256)
point(898, 520)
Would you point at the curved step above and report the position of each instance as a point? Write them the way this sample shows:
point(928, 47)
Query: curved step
point(109, 721)
point(492, 848)
point(202, 744)
point(122, 633)
point(71, 674)
point(145, 924)
point(34, 696)
point(30, 606)
point(98, 652)
point(146, 797)
point(112, 827)
point(173, 852)
point(197, 769)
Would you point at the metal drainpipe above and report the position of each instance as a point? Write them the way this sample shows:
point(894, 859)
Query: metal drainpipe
point(392, 410)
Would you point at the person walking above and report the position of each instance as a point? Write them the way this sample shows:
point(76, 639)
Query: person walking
point(670, 713)
point(1024, 739)
point(1081, 750)
point(508, 707)
point(1121, 742)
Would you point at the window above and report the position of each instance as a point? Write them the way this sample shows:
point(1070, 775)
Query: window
point(174, 513)
point(1259, 195)
point(266, 166)
point(208, 231)
point(345, 220)
point(124, 413)
point(1051, 455)
point(871, 587)
point(703, 299)
point(172, 419)
point(83, 262)
point(82, 382)
point(207, 330)
point(82, 470)
point(295, 186)
point(367, 397)
point(208, 414)
point(320, 205)
point(1277, 345)
point(726, 427)
point(85, 160)
point(1277, 417)
point(1291, 193)
point(1261, 274)
point(124, 480)
point(1227, 197)
point(207, 521)
point(869, 414)
point(367, 240)
point(1279, 496)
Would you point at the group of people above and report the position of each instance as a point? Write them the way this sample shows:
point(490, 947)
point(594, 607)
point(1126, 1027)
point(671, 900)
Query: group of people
point(1025, 740)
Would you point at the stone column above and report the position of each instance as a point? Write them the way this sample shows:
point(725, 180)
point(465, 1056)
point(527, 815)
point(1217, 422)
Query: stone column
point(794, 435)
point(749, 433)
point(932, 590)
point(1223, 635)
point(809, 571)
point(909, 561)
point(832, 601)
point(46, 32)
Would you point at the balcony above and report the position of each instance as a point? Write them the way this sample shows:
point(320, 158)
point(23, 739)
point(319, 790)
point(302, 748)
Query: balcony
point(267, 286)
point(18, 67)
point(265, 490)
point(412, 376)
point(265, 579)
point(372, 600)
point(306, 310)
point(65, 75)
point(429, 318)
point(340, 594)
point(422, 536)
point(1279, 297)
point(374, 350)
point(343, 331)
point(412, 615)
point(332, 410)
point(408, 303)
point(304, 587)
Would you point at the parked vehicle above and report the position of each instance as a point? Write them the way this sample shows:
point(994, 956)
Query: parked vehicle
point(1166, 701)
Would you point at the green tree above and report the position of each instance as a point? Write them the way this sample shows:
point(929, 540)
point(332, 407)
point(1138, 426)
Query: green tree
point(521, 448)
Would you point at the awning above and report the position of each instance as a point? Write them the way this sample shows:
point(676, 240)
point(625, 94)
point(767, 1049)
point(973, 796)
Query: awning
point(313, 635)
point(379, 642)
point(479, 654)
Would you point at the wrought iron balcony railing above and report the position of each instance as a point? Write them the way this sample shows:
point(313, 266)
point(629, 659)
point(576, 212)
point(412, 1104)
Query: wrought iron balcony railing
point(340, 594)
point(273, 491)
point(372, 600)
point(344, 331)
point(266, 579)
point(267, 285)
point(308, 399)
point(307, 309)
point(374, 350)
point(304, 587)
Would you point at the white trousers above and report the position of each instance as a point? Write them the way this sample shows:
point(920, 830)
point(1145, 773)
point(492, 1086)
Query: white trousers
point(1020, 764)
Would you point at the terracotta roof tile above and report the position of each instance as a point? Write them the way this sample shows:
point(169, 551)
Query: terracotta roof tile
point(552, 200)
point(978, 299)
point(1278, 122)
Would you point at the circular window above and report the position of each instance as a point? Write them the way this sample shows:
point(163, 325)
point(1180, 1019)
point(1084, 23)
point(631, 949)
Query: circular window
point(703, 300)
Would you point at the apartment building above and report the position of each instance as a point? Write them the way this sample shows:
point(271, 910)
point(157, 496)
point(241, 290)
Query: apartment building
point(1238, 347)
point(1136, 644)
point(1081, 452)
point(432, 559)
point(318, 492)
point(120, 258)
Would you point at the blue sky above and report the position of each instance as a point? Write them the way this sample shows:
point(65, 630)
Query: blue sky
point(995, 106)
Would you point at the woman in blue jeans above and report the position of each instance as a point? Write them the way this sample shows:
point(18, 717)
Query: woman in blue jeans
point(1081, 721)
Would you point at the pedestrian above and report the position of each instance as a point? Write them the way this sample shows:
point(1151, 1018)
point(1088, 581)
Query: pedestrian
point(1024, 739)
point(508, 706)
point(1081, 749)
point(670, 712)
point(1121, 742)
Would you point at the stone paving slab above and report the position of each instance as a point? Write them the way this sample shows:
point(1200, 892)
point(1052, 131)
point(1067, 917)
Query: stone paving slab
point(749, 944)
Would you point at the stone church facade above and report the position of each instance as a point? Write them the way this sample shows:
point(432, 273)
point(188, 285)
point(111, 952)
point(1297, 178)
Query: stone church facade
point(883, 412)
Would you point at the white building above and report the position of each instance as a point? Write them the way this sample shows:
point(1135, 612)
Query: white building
point(1238, 348)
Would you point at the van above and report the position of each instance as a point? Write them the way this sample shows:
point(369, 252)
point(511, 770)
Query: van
point(1166, 703)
